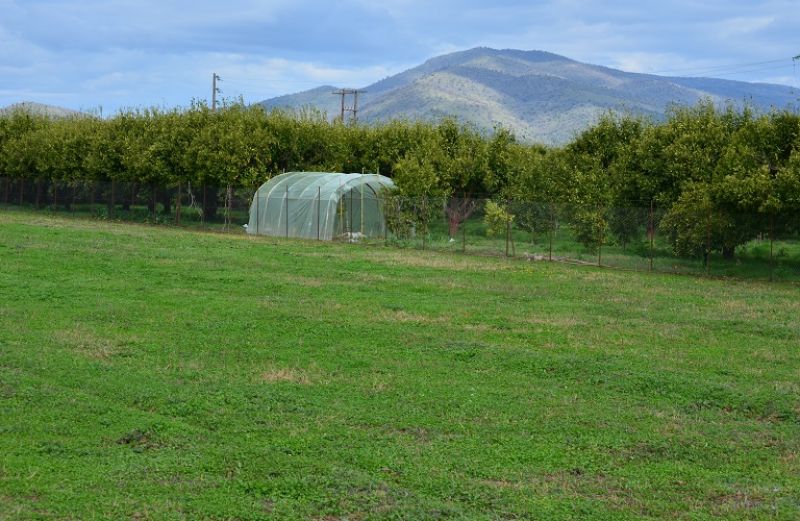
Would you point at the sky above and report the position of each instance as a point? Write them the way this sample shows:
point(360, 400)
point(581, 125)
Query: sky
point(103, 56)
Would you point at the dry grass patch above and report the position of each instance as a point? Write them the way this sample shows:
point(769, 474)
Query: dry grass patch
point(737, 501)
point(284, 374)
point(45, 221)
point(445, 260)
point(479, 327)
point(740, 309)
point(86, 342)
point(400, 315)
point(557, 321)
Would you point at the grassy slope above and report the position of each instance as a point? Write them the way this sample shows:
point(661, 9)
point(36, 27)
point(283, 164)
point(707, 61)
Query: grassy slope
point(158, 373)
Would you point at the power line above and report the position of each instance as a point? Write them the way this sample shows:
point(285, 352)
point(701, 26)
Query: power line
point(752, 70)
point(719, 67)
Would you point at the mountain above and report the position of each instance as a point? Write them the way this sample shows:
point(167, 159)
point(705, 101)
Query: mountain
point(40, 109)
point(541, 96)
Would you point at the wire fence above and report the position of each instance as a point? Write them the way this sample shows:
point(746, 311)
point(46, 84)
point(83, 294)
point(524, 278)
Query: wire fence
point(637, 237)
point(641, 238)
point(208, 207)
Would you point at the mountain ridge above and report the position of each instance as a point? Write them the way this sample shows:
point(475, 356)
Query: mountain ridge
point(541, 96)
point(40, 109)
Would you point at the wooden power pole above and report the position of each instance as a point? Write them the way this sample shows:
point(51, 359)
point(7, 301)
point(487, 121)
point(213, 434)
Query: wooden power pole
point(344, 108)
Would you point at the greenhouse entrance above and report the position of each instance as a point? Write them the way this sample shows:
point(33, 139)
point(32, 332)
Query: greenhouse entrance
point(319, 205)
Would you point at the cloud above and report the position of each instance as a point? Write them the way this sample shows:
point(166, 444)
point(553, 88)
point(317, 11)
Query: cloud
point(141, 52)
point(736, 27)
point(657, 63)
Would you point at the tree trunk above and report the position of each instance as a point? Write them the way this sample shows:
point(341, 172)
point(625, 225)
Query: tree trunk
point(727, 252)
point(458, 211)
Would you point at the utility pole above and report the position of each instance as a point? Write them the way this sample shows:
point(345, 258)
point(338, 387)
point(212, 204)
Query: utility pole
point(214, 91)
point(355, 105)
point(343, 93)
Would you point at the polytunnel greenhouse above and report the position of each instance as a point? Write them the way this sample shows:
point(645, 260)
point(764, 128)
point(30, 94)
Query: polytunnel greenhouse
point(319, 205)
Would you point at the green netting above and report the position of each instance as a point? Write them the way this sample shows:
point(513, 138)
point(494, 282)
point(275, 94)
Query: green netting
point(319, 205)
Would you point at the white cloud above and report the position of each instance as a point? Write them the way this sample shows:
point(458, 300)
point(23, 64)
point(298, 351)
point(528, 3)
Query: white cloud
point(258, 79)
point(657, 63)
point(140, 52)
point(739, 26)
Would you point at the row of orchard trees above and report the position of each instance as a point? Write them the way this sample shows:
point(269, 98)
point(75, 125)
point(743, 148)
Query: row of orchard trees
point(243, 146)
point(718, 177)
point(711, 178)
point(237, 145)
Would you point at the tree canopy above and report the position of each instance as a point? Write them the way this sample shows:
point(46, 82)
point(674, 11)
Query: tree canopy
point(719, 176)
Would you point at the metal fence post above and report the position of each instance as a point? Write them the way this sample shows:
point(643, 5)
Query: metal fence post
point(464, 236)
point(551, 230)
point(771, 247)
point(111, 207)
point(155, 205)
point(203, 210)
point(228, 205)
point(508, 226)
point(319, 208)
point(651, 231)
point(708, 241)
point(178, 206)
point(425, 220)
point(599, 238)
point(258, 211)
point(287, 210)
point(340, 208)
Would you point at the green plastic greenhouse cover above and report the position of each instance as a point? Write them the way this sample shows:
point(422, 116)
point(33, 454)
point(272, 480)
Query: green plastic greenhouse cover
point(319, 205)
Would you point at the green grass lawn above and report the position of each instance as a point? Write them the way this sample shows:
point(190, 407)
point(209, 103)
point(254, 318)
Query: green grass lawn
point(158, 373)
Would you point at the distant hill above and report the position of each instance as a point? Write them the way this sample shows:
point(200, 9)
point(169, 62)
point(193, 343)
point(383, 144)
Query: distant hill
point(41, 109)
point(541, 96)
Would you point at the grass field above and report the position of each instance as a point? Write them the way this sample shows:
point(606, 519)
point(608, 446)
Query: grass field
point(157, 373)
